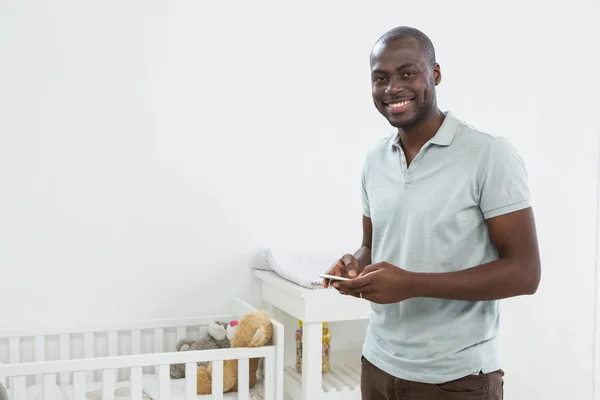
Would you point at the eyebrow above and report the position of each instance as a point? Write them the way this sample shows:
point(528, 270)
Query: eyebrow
point(405, 65)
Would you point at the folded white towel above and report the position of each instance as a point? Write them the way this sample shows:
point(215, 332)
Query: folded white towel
point(301, 268)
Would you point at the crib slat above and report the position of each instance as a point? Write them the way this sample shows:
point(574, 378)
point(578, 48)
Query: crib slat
point(270, 378)
point(243, 379)
point(14, 350)
point(108, 384)
point(164, 382)
point(181, 333)
point(136, 383)
point(136, 342)
point(191, 380)
point(159, 343)
point(88, 345)
point(113, 344)
point(79, 386)
point(49, 387)
point(18, 388)
point(14, 355)
point(65, 350)
point(39, 343)
point(88, 352)
point(217, 380)
point(113, 347)
point(159, 340)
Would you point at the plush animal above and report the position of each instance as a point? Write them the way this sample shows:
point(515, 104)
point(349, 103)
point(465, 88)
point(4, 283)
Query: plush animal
point(253, 330)
point(219, 337)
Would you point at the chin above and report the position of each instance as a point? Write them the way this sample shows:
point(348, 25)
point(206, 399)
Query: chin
point(402, 121)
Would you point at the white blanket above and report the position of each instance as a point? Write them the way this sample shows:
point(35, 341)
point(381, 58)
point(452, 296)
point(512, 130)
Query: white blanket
point(150, 390)
point(177, 390)
point(301, 268)
point(93, 391)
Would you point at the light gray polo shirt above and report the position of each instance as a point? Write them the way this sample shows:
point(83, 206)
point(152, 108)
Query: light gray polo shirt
point(430, 217)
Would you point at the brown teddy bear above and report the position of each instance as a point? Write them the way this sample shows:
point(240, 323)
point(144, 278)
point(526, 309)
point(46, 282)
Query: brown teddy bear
point(253, 330)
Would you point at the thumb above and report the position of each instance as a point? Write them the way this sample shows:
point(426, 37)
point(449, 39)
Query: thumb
point(370, 268)
point(350, 265)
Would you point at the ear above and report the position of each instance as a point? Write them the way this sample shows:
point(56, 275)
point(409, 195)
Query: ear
point(231, 330)
point(437, 74)
point(217, 331)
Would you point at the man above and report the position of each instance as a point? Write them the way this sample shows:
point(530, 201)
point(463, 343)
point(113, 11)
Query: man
point(448, 230)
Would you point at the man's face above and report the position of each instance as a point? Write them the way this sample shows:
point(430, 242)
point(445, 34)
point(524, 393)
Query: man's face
point(403, 82)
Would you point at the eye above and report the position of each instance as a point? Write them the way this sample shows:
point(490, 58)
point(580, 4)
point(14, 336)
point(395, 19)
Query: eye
point(378, 79)
point(408, 74)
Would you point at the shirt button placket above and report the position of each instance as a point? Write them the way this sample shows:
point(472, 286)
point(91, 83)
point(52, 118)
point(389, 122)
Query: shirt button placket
point(405, 170)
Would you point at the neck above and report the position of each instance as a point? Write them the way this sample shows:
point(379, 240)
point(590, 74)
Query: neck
point(415, 136)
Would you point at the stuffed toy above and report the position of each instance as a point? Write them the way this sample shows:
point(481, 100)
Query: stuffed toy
point(253, 330)
point(219, 337)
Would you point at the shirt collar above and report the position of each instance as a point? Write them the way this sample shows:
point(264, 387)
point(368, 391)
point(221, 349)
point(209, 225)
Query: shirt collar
point(443, 137)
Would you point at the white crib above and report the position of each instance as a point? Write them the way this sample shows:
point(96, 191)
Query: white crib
point(131, 362)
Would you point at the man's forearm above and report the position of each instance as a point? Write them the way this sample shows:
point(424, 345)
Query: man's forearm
point(496, 280)
point(363, 256)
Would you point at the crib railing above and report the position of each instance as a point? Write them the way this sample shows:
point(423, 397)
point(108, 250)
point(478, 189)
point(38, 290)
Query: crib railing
point(80, 368)
point(154, 336)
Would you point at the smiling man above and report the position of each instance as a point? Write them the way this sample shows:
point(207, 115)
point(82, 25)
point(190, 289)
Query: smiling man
point(448, 231)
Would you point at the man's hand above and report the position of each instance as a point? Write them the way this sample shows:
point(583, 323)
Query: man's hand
point(381, 283)
point(516, 273)
point(346, 267)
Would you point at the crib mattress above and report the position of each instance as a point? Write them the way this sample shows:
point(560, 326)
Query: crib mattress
point(122, 390)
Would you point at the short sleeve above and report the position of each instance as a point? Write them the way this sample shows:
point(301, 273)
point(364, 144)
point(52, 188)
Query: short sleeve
point(365, 195)
point(502, 180)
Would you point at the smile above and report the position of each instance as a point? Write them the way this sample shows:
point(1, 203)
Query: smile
point(398, 106)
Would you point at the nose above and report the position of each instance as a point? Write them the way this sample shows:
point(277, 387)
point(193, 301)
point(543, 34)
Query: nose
point(394, 87)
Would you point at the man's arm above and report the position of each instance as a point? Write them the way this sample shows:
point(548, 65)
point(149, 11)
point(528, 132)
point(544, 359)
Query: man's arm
point(517, 272)
point(363, 255)
point(502, 190)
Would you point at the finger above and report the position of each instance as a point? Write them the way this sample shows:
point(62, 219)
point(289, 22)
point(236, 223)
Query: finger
point(341, 292)
point(370, 268)
point(354, 271)
point(346, 293)
point(336, 270)
point(352, 268)
point(363, 293)
point(356, 284)
point(350, 265)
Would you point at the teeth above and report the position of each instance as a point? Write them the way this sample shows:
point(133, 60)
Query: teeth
point(401, 104)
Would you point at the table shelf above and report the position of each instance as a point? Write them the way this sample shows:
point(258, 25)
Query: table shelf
point(313, 307)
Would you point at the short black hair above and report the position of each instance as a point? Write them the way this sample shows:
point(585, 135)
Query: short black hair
point(407, 32)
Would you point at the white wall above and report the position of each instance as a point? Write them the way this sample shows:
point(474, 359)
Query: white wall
point(148, 148)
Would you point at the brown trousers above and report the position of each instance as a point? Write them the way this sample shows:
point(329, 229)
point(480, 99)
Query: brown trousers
point(379, 385)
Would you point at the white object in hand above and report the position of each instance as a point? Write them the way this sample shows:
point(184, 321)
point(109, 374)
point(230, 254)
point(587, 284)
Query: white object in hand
point(334, 277)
